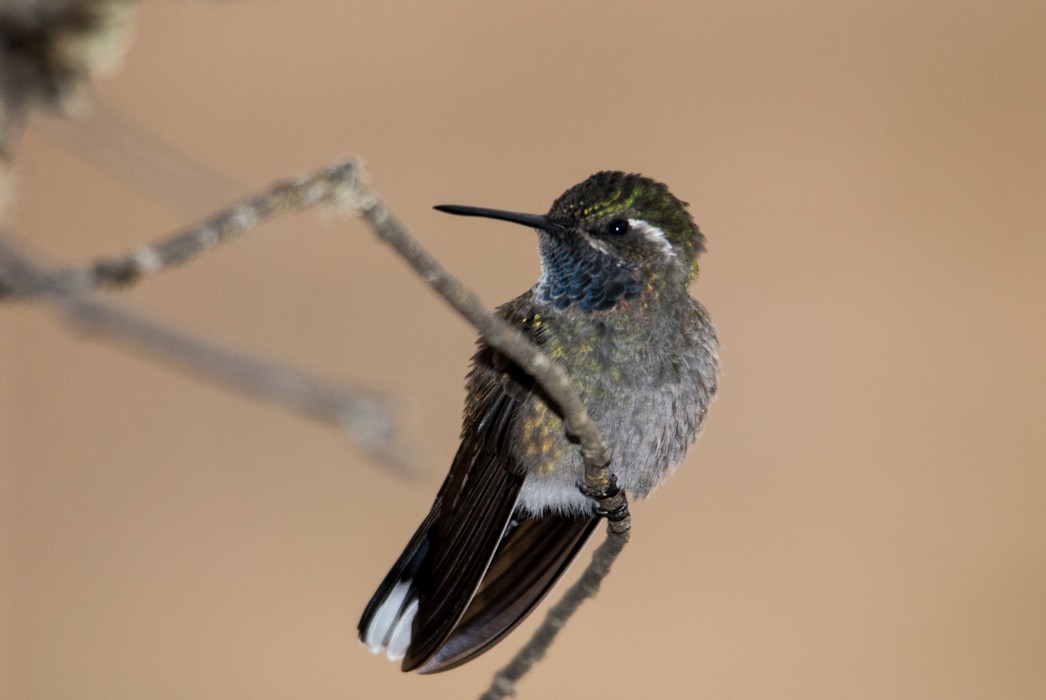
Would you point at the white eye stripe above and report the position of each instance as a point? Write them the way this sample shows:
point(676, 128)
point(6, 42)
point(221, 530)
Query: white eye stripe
point(597, 244)
point(654, 235)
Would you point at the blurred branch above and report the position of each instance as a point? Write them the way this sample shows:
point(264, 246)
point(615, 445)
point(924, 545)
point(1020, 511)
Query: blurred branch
point(107, 138)
point(48, 48)
point(343, 185)
point(366, 417)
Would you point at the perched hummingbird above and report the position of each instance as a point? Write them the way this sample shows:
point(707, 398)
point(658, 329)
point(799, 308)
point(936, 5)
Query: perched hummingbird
point(618, 252)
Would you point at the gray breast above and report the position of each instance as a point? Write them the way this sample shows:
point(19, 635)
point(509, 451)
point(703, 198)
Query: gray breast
point(649, 402)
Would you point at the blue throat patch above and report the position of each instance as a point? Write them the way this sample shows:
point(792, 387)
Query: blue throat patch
point(576, 273)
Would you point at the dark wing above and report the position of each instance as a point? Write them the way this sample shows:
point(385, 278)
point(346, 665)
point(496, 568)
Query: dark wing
point(532, 556)
point(468, 519)
point(428, 589)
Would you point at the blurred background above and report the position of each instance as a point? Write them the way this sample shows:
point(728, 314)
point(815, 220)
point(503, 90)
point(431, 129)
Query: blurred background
point(865, 514)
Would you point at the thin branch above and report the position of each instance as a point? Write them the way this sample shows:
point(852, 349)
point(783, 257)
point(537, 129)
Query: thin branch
point(505, 338)
point(344, 185)
point(20, 278)
point(598, 484)
point(366, 418)
point(504, 682)
point(110, 140)
point(293, 195)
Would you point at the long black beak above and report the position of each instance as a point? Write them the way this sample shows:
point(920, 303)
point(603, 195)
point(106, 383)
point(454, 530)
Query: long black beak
point(539, 221)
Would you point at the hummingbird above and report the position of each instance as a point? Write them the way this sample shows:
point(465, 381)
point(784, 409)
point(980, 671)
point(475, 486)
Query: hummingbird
point(618, 254)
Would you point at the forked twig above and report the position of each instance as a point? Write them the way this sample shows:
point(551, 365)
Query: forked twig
point(70, 288)
point(344, 185)
point(367, 418)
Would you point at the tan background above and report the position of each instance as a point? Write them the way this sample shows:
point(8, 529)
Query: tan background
point(865, 516)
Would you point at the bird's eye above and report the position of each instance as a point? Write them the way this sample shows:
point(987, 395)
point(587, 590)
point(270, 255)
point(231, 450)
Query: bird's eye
point(617, 227)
